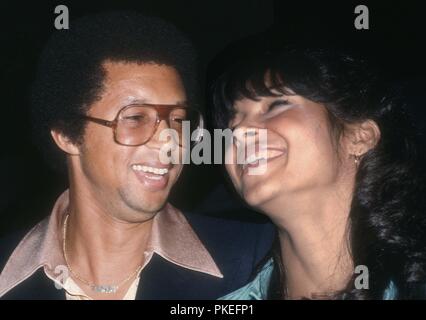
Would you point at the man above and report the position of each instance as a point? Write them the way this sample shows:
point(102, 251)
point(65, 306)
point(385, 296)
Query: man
point(105, 90)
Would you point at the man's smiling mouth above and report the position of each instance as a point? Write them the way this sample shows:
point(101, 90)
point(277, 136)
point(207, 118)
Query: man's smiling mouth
point(155, 170)
point(154, 176)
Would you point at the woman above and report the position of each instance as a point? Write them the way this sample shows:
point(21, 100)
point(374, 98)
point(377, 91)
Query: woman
point(342, 177)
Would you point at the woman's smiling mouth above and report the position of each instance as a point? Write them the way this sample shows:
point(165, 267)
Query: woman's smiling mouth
point(259, 160)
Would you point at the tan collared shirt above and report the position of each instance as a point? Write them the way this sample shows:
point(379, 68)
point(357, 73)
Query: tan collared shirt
point(171, 237)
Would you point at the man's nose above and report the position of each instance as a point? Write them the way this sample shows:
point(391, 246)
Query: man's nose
point(158, 139)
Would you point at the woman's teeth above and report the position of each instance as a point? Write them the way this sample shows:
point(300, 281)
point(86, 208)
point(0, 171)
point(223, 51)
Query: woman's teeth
point(160, 171)
point(253, 160)
point(261, 157)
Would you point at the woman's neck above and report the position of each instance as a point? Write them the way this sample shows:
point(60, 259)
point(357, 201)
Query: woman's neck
point(313, 235)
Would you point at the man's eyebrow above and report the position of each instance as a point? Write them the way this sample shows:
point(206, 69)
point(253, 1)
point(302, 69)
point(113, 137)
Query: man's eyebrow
point(147, 101)
point(132, 100)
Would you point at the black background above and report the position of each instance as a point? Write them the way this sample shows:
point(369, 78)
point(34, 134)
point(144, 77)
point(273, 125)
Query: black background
point(219, 29)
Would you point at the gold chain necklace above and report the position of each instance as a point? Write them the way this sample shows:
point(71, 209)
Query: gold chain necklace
point(95, 287)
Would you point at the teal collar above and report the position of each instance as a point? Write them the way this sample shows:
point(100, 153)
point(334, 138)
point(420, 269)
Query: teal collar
point(257, 289)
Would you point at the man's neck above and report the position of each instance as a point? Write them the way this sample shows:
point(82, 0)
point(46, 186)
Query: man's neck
point(101, 248)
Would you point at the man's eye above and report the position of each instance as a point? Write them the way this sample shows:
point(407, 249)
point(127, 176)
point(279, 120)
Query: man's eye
point(178, 119)
point(135, 118)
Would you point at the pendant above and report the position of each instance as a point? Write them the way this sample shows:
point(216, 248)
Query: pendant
point(105, 288)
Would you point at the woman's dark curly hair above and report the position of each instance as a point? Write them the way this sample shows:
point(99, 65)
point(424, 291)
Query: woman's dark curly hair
point(387, 227)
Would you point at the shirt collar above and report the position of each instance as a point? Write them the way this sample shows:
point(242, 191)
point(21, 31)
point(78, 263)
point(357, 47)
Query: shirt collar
point(257, 289)
point(171, 237)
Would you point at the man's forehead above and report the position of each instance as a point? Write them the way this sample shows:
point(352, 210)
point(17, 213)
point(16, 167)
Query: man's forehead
point(122, 70)
point(146, 74)
point(128, 83)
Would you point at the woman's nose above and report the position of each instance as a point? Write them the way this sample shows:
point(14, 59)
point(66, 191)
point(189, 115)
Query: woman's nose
point(245, 134)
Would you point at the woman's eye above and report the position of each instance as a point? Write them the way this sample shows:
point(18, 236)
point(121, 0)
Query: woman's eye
point(277, 104)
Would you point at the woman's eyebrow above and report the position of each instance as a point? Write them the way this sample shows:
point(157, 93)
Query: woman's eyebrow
point(279, 102)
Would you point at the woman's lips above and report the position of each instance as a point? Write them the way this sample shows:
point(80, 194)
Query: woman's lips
point(260, 159)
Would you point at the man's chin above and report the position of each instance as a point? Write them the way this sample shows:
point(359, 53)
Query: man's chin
point(148, 204)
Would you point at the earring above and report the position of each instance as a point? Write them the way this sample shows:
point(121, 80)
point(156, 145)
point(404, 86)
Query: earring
point(357, 159)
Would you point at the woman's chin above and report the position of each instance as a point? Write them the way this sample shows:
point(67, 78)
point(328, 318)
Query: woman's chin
point(257, 197)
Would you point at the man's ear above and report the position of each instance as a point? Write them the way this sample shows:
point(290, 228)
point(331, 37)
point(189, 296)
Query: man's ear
point(361, 137)
point(64, 143)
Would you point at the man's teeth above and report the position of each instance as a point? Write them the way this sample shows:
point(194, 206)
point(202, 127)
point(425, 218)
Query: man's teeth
point(160, 171)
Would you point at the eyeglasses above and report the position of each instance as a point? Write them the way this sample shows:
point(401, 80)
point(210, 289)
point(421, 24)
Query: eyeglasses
point(136, 124)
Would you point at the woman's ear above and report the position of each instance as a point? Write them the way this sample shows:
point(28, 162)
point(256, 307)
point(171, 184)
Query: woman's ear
point(361, 137)
point(64, 143)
